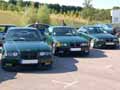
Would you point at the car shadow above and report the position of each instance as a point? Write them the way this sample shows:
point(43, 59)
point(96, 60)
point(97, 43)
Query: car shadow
point(60, 65)
point(94, 53)
point(5, 76)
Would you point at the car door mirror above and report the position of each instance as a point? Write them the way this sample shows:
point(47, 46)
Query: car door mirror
point(44, 38)
point(105, 31)
point(3, 38)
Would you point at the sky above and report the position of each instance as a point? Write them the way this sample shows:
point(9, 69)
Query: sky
point(102, 4)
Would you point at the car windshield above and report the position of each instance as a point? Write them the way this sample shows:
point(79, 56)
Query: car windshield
point(64, 31)
point(109, 25)
point(40, 26)
point(95, 30)
point(23, 35)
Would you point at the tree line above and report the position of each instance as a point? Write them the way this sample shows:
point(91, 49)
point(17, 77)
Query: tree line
point(87, 12)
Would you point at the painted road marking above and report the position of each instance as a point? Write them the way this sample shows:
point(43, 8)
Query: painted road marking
point(66, 84)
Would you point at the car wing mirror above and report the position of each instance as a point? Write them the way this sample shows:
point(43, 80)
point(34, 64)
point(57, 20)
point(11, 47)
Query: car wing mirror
point(105, 31)
point(3, 38)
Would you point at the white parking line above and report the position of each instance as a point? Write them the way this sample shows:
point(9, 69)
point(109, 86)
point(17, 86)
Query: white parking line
point(66, 84)
point(71, 84)
point(109, 66)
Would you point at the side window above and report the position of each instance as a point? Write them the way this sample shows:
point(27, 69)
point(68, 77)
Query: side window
point(83, 30)
point(47, 31)
point(2, 29)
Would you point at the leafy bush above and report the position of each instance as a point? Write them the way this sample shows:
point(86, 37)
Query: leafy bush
point(43, 14)
point(30, 15)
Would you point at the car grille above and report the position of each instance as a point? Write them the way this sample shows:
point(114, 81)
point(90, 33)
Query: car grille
point(29, 55)
point(109, 40)
point(75, 44)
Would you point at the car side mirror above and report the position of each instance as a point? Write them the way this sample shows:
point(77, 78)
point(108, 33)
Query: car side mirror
point(104, 31)
point(47, 34)
point(44, 38)
point(3, 38)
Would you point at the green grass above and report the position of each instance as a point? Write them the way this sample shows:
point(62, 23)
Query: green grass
point(8, 17)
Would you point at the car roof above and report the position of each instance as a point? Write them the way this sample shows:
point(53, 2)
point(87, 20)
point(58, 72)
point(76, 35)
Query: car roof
point(60, 26)
point(37, 24)
point(90, 26)
point(8, 25)
point(22, 28)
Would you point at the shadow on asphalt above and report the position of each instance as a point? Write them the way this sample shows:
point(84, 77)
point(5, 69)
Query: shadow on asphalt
point(5, 76)
point(60, 65)
point(94, 53)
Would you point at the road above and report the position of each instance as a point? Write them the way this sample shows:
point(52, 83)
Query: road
point(99, 71)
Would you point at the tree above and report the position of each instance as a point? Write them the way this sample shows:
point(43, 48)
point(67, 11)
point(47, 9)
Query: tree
point(87, 3)
point(116, 7)
point(20, 5)
point(88, 13)
point(12, 2)
point(43, 14)
point(30, 15)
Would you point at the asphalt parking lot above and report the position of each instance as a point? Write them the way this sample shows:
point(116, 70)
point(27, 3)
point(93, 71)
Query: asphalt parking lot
point(99, 71)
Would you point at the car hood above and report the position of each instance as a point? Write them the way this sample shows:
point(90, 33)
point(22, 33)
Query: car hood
point(102, 36)
point(69, 39)
point(26, 46)
point(109, 30)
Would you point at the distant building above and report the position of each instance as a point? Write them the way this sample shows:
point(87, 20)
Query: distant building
point(115, 13)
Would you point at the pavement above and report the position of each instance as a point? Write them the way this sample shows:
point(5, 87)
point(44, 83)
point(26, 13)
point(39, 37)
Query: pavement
point(99, 71)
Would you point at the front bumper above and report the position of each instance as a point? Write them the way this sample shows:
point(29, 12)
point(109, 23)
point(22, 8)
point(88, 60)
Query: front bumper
point(72, 49)
point(12, 62)
point(104, 44)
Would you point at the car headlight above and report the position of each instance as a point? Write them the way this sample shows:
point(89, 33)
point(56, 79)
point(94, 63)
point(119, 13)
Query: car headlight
point(84, 44)
point(115, 39)
point(11, 54)
point(58, 44)
point(64, 44)
point(45, 53)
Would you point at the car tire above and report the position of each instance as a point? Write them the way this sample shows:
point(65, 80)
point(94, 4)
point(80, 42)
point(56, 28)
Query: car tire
point(8, 68)
point(42, 66)
point(5, 67)
point(47, 67)
point(86, 53)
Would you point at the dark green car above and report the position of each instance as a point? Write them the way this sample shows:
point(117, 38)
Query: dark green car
point(98, 37)
point(25, 47)
point(64, 39)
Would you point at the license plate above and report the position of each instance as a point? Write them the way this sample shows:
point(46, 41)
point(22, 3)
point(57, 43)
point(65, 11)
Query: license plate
point(29, 62)
point(110, 43)
point(75, 49)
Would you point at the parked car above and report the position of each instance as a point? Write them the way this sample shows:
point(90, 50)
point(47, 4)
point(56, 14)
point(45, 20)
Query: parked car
point(41, 27)
point(106, 27)
point(64, 39)
point(24, 46)
point(98, 37)
point(116, 31)
point(3, 30)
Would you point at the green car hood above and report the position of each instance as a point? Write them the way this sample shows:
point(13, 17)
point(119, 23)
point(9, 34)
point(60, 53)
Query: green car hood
point(103, 36)
point(69, 39)
point(26, 46)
